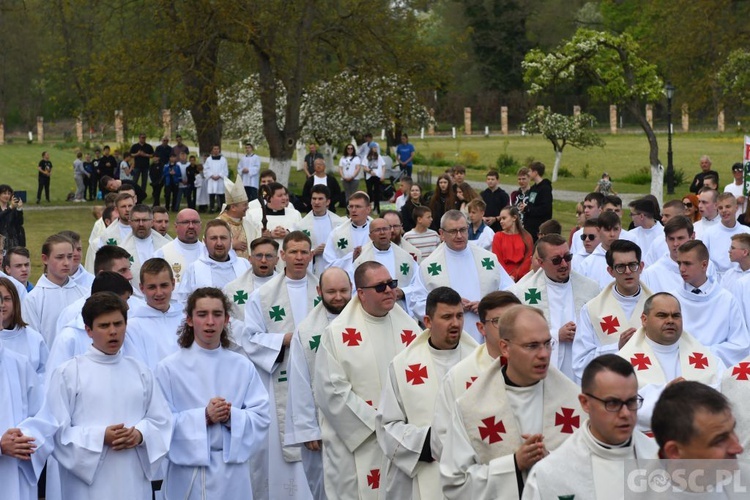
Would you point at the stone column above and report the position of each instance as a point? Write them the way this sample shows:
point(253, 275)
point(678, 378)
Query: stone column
point(720, 121)
point(612, 119)
point(431, 126)
point(650, 115)
point(467, 121)
point(166, 120)
point(2, 131)
point(685, 118)
point(576, 110)
point(119, 129)
point(504, 119)
point(79, 129)
point(40, 129)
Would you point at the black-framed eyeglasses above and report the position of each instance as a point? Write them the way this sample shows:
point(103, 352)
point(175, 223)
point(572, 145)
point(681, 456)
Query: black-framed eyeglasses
point(558, 260)
point(380, 287)
point(590, 237)
point(456, 232)
point(633, 266)
point(614, 405)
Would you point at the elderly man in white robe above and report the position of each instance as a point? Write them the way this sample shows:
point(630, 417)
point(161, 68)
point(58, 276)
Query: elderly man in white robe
point(110, 443)
point(610, 319)
point(492, 443)
point(397, 231)
point(219, 267)
point(345, 242)
point(264, 254)
point(350, 371)
point(710, 313)
point(472, 271)
point(662, 353)
point(302, 426)
point(272, 314)
point(464, 373)
point(142, 242)
point(185, 249)
point(215, 170)
point(560, 293)
point(591, 463)
point(406, 405)
point(319, 223)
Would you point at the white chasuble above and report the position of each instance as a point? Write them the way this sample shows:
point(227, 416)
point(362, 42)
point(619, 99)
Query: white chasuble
point(343, 240)
point(211, 461)
point(350, 370)
point(89, 393)
point(735, 385)
point(180, 255)
point(208, 272)
point(239, 290)
point(477, 461)
point(405, 415)
point(318, 229)
point(140, 251)
point(400, 264)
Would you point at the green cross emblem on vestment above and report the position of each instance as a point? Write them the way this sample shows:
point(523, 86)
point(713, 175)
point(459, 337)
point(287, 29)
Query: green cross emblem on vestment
point(277, 313)
point(240, 297)
point(282, 376)
point(307, 232)
point(131, 259)
point(111, 241)
point(315, 343)
point(405, 269)
point(317, 300)
point(488, 263)
point(434, 269)
point(342, 243)
point(532, 296)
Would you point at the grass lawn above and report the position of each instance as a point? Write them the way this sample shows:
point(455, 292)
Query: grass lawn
point(623, 154)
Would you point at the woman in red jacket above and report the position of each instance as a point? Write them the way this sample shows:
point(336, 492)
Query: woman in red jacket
point(513, 245)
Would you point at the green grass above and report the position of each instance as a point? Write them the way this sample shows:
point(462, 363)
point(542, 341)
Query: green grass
point(623, 154)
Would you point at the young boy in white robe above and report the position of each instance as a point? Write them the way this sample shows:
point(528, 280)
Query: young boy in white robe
point(115, 425)
point(219, 403)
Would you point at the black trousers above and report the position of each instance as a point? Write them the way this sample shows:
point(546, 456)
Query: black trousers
point(43, 184)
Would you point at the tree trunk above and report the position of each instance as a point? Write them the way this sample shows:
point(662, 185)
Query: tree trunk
point(199, 80)
point(556, 168)
point(657, 169)
point(282, 169)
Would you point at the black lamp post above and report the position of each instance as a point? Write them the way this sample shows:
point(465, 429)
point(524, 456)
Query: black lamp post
point(669, 89)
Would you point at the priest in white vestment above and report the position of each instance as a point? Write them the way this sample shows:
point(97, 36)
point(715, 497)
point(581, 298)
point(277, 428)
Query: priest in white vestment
point(486, 455)
point(591, 464)
point(345, 242)
point(185, 249)
point(710, 313)
point(472, 271)
point(219, 404)
point(735, 385)
point(244, 229)
point(406, 404)
point(662, 353)
point(718, 238)
point(27, 434)
point(610, 319)
point(264, 254)
point(120, 229)
point(272, 314)
point(397, 231)
point(302, 426)
point(464, 373)
point(115, 425)
point(319, 223)
point(351, 368)
point(560, 293)
point(142, 242)
point(218, 267)
point(215, 170)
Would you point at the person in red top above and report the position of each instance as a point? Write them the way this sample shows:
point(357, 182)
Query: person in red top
point(513, 245)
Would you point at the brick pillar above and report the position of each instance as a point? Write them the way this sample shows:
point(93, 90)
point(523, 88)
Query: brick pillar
point(79, 129)
point(576, 110)
point(166, 120)
point(504, 119)
point(650, 115)
point(40, 129)
point(612, 119)
point(119, 128)
point(685, 118)
point(431, 126)
point(2, 131)
point(467, 121)
point(720, 121)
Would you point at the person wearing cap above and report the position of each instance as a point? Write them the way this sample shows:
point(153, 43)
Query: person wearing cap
point(647, 229)
point(244, 230)
point(321, 177)
point(737, 187)
point(249, 169)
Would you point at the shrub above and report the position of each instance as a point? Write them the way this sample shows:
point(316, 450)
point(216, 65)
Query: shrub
point(507, 164)
point(469, 158)
point(585, 171)
point(641, 176)
point(564, 172)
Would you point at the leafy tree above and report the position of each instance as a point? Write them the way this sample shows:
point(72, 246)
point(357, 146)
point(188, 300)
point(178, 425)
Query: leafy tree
point(734, 76)
point(611, 70)
point(561, 131)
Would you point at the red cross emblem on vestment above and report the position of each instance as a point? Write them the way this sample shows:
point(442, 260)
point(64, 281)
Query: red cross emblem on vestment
point(491, 430)
point(698, 360)
point(609, 324)
point(416, 374)
point(741, 371)
point(373, 479)
point(351, 337)
point(407, 337)
point(568, 420)
point(470, 381)
point(640, 361)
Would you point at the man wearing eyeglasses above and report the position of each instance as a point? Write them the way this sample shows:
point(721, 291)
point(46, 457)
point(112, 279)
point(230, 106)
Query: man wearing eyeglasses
point(397, 231)
point(350, 370)
point(396, 260)
point(318, 223)
point(493, 441)
point(272, 314)
point(345, 242)
point(560, 293)
point(462, 376)
point(264, 254)
point(610, 319)
point(142, 243)
point(584, 466)
point(663, 354)
point(185, 249)
point(406, 408)
point(470, 270)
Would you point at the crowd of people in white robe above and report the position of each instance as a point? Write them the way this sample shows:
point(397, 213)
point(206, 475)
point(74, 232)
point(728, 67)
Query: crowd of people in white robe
point(270, 355)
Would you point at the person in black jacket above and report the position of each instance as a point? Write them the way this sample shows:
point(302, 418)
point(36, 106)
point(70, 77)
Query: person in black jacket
point(330, 181)
point(539, 207)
